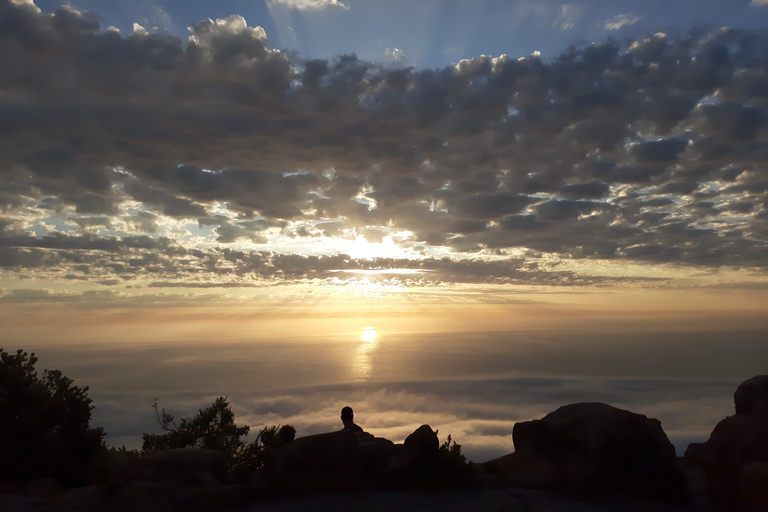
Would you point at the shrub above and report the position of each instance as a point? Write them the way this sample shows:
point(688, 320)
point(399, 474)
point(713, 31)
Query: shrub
point(44, 423)
point(253, 455)
point(451, 451)
point(214, 428)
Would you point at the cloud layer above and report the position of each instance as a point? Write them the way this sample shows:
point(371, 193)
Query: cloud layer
point(219, 157)
point(474, 387)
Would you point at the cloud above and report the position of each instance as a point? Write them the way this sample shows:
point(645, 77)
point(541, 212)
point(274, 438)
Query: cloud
point(182, 158)
point(479, 414)
point(620, 21)
point(395, 55)
point(758, 2)
point(478, 387)
point(310, 5)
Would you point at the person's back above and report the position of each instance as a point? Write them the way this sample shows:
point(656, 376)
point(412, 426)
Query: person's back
point(347, 418)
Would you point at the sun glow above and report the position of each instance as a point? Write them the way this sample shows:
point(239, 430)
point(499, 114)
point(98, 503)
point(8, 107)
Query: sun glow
point(368, 334)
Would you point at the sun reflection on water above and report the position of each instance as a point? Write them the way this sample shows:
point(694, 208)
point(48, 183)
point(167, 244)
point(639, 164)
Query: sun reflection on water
point(362, 366)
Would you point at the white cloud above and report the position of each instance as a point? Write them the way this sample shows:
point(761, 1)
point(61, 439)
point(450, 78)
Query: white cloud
point(139, 30)
point(27, 3)
point(758, 2)
point(569, 16)
point(395, 55)
point(623, 20)
point(310, 5)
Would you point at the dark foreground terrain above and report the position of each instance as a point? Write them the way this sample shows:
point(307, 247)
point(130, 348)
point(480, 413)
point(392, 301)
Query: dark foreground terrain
point(588, 457)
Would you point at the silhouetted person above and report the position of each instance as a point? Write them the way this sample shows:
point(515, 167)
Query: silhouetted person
point(348, 417)
point(286, 434)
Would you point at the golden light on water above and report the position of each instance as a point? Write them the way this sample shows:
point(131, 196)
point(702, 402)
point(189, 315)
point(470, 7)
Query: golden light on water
point(368, 334)
point(362, 365)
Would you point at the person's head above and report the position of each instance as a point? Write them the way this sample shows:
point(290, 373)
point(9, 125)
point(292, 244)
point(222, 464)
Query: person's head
point(347, 414)
point(286, 433)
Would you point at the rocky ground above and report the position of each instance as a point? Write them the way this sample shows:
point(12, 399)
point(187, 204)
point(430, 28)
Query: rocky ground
point(495, 495)
point(586, 457)
point(479, 500)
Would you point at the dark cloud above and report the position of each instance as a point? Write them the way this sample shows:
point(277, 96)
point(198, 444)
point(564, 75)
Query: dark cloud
point(652, 150)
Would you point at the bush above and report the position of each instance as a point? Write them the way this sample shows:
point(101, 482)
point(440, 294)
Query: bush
point(253, 455)
point(44, 423)
point(451, 451)
point(214, 428)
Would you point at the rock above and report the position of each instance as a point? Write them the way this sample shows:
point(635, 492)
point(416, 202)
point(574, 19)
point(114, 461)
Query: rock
point(45, 487)
point(81, 499)
point(10, 487)
point(752, 396)
point(21, 503)
point(736, 455)
point(695, 455)
point(178, 479)
point(527, 469)
point(196, 466)
point(259, 485)
point(144, 495)
point(735, 443)
point(322, 462)
point(697, 487)
point(419, 465)
point(422, 443)
point(752, 494)
point(598, 449)
point(218, 497)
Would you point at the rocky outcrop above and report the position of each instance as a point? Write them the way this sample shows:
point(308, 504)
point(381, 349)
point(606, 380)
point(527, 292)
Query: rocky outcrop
point(735, 458)
point(415, 464)
point(422, 443)
point(347, 460)
point(590, 449)
point(332, 461)
point(752, 396)
point(180, 479)
point(597, 449)
point(192, 466)
point(183, 478)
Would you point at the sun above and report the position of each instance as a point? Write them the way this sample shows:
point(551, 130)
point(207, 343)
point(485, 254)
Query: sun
point(368, 334)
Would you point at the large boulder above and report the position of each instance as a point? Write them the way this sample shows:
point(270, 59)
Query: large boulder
point(419, 464)
point(736, 456)
point(597, 449)
point(323, 462)
point(752, 396)
point(753, 487)
point(415, 464)
point(422, 443)
point(737, 452)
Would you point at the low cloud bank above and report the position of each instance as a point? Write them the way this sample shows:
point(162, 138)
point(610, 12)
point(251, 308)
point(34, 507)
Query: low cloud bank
point(479, 414)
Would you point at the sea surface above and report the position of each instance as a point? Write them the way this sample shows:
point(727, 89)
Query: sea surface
point(471, 386)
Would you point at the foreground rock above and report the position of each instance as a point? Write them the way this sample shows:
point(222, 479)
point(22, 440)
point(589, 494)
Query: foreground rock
point(179, 479)
point(752, 396)
point(322, 462)
point(596, 449)
point(349, 460)
point(735, 458)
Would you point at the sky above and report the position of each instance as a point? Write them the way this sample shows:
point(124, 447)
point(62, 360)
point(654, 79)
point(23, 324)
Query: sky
point(181, 178)
point(433, 165)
